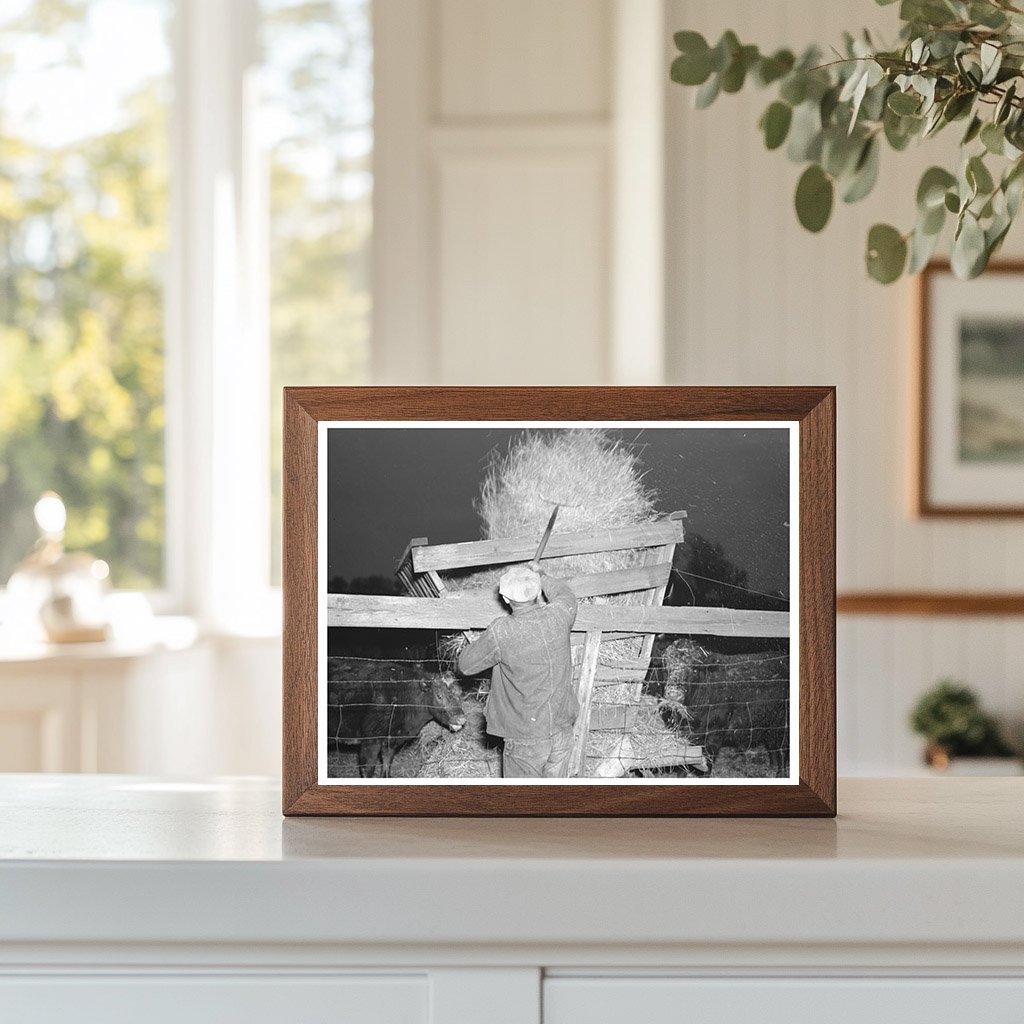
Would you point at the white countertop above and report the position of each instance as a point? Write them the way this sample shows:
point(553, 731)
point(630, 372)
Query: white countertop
point(122, 859)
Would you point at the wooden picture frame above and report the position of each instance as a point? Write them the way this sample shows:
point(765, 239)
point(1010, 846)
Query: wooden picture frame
point(948, 483)
point(807, 412)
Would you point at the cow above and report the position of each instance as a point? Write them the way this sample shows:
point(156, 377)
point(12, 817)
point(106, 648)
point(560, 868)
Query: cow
point(721, 700)
point(383, 705)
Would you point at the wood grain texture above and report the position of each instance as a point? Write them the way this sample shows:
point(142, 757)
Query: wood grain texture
point(923, 503)
point(813, 407)
point(926, 603)
point(298, 593)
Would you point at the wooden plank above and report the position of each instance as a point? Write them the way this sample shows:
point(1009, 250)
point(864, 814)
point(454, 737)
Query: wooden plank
point(616, 677)
point(613, 717)
point(657, 597)
point(590, 584)
point(578, 638)
point(619, 581)
point(473, 612)
point(585, 695)
point(522, 549)
point(620, 675)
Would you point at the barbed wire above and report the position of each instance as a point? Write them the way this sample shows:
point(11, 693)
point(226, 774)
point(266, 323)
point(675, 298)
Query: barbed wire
point(724, 583)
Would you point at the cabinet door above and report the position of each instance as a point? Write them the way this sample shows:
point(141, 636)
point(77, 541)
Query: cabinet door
point(205, 999)
point(569, 1000)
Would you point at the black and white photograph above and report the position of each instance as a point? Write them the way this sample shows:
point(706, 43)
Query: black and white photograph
point(558, 602)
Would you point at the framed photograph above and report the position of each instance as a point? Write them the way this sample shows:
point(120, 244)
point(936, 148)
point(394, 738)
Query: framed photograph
point(559, 601)
point(970, 451)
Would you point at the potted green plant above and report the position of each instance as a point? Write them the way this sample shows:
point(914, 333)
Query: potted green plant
point(955, 62)
point(950, 718)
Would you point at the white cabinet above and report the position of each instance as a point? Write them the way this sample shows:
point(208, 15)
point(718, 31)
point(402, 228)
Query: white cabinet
point(823, 1000)
point(174, 705)
point(102, 708)
point(126, 899)
point(202, 999)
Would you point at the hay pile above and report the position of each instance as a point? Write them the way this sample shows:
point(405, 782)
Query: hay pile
point(600, 481)
point(466, 754)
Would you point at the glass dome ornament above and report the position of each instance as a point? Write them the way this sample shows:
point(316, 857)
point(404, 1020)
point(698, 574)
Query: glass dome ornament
point(56, 595)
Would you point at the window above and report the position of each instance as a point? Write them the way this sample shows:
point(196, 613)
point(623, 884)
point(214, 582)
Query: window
point(185, 221)
point(83, 236)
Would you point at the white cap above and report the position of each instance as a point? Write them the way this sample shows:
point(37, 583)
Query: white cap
point(519, 584)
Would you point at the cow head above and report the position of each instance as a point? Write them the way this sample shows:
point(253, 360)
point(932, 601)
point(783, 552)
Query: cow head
point(445, 701)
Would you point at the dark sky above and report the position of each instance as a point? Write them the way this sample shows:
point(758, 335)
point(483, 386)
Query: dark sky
point(388, 485)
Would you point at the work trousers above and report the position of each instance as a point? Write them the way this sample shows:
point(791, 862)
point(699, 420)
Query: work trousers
point(538, 757)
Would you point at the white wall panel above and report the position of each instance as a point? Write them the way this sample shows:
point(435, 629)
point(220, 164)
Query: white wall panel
point(527, 58)
point(754, 299)
point(521, 281)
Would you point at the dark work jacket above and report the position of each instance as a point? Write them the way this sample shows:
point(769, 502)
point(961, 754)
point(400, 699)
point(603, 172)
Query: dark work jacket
point(532, 694)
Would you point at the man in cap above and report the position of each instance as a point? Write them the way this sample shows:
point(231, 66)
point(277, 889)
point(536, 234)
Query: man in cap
point(532, 703)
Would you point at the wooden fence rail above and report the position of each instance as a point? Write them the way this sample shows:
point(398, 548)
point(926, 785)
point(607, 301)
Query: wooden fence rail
point(474, 611)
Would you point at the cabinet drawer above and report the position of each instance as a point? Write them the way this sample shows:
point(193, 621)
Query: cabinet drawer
point(661, 1000)
point(202, 999)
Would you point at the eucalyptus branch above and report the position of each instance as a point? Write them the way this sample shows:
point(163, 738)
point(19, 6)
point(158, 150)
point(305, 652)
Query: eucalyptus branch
point(954, 60)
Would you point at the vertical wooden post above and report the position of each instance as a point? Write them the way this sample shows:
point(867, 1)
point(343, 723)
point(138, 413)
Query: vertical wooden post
point(585, 695)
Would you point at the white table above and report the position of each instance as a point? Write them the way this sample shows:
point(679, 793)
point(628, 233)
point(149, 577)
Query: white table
point(197, 902)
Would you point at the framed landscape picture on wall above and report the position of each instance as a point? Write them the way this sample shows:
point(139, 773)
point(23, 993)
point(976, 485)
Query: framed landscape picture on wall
point(579, 601)
point(970, 451)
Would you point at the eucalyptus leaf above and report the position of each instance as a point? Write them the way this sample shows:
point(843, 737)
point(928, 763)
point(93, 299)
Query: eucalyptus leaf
point(814, 195)
point(993, 138)
point(1014, 192)
point(707, 93)
point(958, 105)
point(805, 133)
point(978, 176)
point(1005, 105)
point(991, 60)
point(922, 248)
point(865, 173)
point(900, 130)
point(735, 74)
point(904, 103)
point(724, 51)
point(886, 253)
point(968, 247)
point(794, 88)
point(931, 190)
point(840, 152)
point(987, 15)
point(775, 124)
point(771, 69)
point(932, 221)
point(973, 130)
point(873, 106)
point(693, 65)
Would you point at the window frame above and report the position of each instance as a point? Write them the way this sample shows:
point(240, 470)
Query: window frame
point(217, 350)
